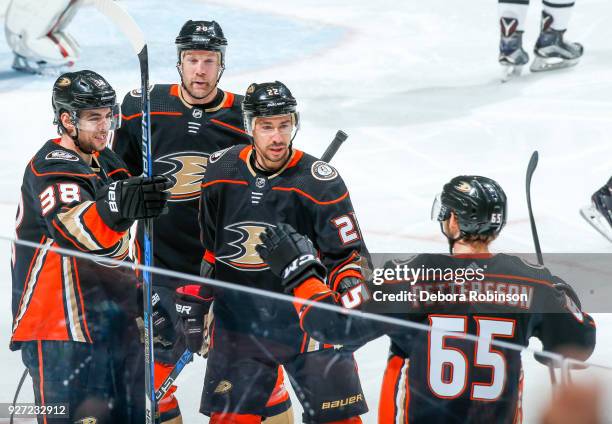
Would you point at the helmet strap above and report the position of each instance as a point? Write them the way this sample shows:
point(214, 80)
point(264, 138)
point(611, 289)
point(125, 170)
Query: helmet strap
point(451, 240)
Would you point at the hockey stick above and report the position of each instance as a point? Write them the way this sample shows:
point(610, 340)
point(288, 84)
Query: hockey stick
point(133, 33)
point(333, 147)
point(187, 355)
point(531, 167)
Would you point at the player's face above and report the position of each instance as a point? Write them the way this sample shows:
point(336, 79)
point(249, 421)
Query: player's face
point(271, 136)
point(200, 70)
point(94, 126)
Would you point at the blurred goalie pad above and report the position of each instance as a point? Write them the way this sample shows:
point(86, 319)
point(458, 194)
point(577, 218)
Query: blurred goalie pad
point(37, 34)
point(597, 220)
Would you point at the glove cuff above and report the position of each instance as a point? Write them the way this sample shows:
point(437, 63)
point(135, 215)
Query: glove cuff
point(108, 208)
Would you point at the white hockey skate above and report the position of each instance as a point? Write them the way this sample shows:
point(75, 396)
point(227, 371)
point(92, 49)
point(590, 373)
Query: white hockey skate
point(597, 220)
point(512, 57)
point(551, 51)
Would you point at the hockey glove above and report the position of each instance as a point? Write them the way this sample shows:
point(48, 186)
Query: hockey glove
point(192, 305)
point(290, 255)
point(122, 202)
point(160, 320)
point(162, 325)
point(353, 292)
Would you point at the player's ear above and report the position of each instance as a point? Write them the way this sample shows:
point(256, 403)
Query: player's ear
point(453, 224)
point(67, 123)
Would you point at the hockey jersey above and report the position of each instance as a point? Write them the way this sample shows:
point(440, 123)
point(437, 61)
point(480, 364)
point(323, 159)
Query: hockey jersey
point(57, 297)
point(238, 202)
point(182, 139)
point(451, 379)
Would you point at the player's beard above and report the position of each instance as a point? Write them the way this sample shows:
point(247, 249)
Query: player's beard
point(199, 90)
point(274, 160)
point(94, 143)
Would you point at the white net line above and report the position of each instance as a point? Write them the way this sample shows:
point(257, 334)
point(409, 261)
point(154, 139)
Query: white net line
point(556, 358)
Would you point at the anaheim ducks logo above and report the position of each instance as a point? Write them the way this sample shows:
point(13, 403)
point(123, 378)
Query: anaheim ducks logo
point(246, 257)
point(464, 187)
point(187, 170)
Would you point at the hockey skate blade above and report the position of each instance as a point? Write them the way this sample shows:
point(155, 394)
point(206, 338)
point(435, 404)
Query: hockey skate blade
point(510, 72)
point(543, 64)
point(597, 221)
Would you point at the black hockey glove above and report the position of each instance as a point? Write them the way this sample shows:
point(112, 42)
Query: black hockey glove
point(290, 255)
point(353, 292)
point(162, 325)
point(192, 305)
point(122, 202)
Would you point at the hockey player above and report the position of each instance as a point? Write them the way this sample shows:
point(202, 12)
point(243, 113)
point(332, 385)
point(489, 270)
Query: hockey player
point(245, 190)
point(446, 378)
point(551, 51)
point(189, 121)
point(38, 37)
point(599, 214)
point(74, 319)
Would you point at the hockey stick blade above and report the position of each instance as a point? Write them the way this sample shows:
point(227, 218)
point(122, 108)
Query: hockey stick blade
point(531, 167)
point(119, 16)
point(333, 147)
point(597, 221)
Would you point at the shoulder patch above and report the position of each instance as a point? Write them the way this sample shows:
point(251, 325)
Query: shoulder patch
point(61, 155)
point(323, 171)
point(529, 264)
point(137, 92)
point(217, 155)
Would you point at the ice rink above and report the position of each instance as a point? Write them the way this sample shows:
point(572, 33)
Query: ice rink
point(416, 85)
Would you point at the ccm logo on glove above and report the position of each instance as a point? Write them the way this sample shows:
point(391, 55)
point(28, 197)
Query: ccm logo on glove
point(295, 264)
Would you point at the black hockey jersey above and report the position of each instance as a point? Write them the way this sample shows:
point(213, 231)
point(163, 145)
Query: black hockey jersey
point(58, 297)
point(182, 138)
point(238, 202)
point(450, 379)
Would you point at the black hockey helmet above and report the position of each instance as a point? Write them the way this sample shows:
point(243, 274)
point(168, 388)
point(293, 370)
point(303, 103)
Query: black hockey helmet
point(478, 202)
point(76, 91)
point(201, 35)
point(268, 99)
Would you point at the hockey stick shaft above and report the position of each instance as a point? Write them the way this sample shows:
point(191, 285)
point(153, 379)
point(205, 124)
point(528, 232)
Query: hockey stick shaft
point(121, 18)
point(186, 356)
point(333, 147)
point(531, 167)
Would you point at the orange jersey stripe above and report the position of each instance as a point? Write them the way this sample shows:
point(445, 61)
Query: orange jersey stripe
point(308, 196)
point(40, 174)
point(224, 181)
point(119, 170)
point(223, 124)
point(136, 115)
point(105, 236)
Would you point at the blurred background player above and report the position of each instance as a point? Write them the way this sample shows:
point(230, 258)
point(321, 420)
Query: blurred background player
point(599, 214)
point(74, 320)
point(437, 377)
point(189, 121)
point(551, 51)
point(247, 189)
point(38, 37)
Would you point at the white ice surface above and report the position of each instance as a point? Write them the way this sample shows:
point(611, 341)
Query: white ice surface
point(415, 85)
